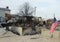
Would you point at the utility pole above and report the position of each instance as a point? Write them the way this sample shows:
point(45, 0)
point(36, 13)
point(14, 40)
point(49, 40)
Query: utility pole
point(35, 11)
point(33, 20)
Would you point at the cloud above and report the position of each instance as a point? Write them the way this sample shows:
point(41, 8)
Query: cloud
point(44, 7)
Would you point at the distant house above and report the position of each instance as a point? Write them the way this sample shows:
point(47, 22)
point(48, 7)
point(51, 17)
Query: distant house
point(3, 11)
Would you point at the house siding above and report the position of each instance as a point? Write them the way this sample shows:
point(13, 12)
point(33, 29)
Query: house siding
point(2, 12)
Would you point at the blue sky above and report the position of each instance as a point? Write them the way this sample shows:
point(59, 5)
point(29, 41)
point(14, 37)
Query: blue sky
point(45, 8)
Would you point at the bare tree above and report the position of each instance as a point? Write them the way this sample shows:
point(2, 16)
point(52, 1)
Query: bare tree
point(26, 10)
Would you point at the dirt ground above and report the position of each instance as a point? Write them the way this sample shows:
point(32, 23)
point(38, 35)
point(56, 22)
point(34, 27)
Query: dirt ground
point(10, 37)
point(30, 38)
